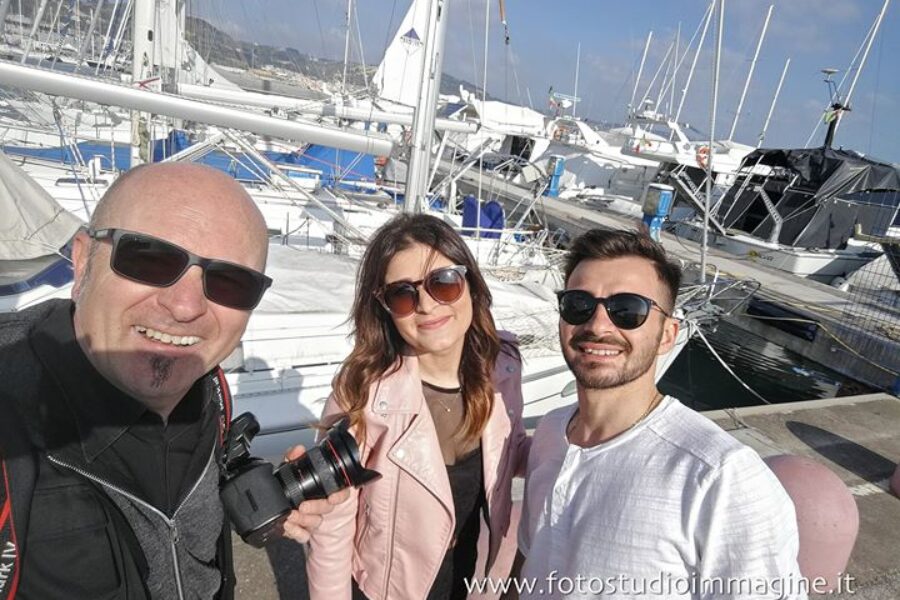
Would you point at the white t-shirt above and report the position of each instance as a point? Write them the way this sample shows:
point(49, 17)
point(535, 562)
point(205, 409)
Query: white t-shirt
point(673, 508)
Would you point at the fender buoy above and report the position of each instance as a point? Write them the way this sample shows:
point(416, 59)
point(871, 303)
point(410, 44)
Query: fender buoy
point(703, 156)
point(827, 516)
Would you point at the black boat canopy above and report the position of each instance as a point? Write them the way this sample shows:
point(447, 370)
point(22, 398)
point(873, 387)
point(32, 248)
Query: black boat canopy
point(834, 190)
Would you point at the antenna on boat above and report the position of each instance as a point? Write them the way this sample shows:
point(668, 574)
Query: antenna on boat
point(836, 106)
point(864, 49)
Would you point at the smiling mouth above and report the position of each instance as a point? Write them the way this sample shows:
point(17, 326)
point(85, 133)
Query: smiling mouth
point(600, 352)
point(166, 338)
point(434, 324)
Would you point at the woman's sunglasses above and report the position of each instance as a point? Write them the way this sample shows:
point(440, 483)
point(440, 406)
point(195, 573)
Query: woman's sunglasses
point(152, 261)
point(626, 310)
point(445, 285)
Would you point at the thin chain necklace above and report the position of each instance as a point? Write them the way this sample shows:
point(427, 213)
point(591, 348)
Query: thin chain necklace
point(653, 404)
point(441, 390)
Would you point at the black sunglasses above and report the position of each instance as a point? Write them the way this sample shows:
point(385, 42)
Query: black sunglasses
point(445, 285)
point(625, 310)
point(152, 261)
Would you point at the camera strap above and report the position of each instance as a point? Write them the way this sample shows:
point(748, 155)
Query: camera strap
point(222, 398)
point(9, 549)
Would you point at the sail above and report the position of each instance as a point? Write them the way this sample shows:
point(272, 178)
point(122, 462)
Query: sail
point(172, 51)
point(399, 74)
point(34, 224)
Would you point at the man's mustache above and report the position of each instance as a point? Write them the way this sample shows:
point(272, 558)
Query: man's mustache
point(590, 338)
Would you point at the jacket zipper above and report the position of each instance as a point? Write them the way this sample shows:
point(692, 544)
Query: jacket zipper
point(390, 554)
point(170, 523)
point(367, 511)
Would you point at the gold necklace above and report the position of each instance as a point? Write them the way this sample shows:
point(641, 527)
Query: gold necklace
point(656, 399)
point(653, 404)
point(441, 402)
point(441, 390)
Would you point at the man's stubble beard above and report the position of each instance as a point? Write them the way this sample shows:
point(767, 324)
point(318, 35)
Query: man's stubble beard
point(636, 366)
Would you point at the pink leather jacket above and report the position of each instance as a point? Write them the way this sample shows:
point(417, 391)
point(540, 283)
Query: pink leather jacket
point(392, 534)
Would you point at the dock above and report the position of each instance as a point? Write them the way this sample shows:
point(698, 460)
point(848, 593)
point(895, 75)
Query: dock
point(807, 317)
point(857, 437)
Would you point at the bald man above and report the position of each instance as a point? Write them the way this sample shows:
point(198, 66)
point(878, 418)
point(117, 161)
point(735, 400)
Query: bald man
point(110, 403)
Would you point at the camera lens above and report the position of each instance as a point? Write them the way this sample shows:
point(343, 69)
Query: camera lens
point(330, 466)
point(258, 500)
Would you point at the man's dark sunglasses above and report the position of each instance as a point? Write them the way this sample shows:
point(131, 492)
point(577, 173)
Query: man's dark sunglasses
point(152, 261)
point(445, 285)
point(626, 310)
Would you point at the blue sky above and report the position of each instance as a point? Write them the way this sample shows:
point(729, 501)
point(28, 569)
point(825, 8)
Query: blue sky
point(545, 36)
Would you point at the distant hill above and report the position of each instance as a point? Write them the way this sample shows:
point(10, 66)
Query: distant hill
point(217, 47)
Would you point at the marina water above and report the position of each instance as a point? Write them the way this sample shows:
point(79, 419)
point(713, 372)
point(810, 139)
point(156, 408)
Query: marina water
point(700, 381)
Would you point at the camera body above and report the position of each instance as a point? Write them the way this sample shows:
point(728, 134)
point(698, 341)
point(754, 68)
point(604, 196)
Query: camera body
point(258, 498)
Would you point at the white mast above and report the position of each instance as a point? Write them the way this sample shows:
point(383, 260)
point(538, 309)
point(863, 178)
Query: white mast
point(487, 30)
point(89, 38)
point(106, 38)
point(646, 95)
point(347, 46)
point(675, 70)
point(31, 37)
point(426, 107)
point(637, 79)
point(762, 134)
point(663, 85)
point(141, 67)
point(577, 65)
point(687, 84)
point(4, 8)
point(863, 61)
point(712, 137)
point(740, 106)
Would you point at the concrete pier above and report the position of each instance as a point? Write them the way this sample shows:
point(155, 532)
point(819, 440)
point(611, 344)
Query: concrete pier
point(858, 438)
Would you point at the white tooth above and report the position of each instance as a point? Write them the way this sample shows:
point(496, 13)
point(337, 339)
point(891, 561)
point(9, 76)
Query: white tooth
point(165, 338)
point(602, 352)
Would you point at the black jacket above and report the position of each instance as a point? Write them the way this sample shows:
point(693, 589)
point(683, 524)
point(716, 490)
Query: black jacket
point(86, 549)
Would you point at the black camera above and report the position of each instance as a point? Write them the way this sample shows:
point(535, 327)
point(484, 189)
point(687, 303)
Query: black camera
point(258, 498)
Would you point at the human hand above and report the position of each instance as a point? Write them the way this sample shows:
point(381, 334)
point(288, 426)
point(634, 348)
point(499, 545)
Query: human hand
point(307, 517)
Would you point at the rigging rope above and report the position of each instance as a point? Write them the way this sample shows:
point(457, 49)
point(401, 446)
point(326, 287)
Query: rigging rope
point(727, 368)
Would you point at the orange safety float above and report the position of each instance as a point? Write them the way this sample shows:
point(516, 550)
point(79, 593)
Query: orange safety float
point(703, 156)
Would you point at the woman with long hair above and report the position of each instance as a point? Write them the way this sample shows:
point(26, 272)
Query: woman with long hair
point(433, 393)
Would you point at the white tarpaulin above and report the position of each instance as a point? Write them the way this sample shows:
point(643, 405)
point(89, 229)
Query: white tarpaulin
point(32, 222)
